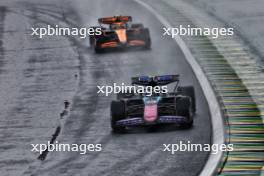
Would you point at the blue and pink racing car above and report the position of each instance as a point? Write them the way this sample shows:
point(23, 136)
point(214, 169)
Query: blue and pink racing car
point(141, 109)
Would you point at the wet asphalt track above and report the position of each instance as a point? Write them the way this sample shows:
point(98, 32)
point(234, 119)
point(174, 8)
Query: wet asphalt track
point(134, 154)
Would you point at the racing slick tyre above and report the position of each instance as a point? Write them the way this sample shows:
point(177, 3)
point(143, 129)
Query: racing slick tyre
point(184, 108)
point(121, 95)
point(98, 49)
point(91, 40)
point(189, 91)
point(117, 113)
point(148, 44)
point(147, 39)
point(92, 37)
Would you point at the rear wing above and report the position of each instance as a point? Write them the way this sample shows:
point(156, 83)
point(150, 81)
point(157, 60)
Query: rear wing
point(115, 19)
point(155, 80)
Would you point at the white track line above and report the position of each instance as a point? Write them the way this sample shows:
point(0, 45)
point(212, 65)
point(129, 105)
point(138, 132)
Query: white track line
point(216, 115)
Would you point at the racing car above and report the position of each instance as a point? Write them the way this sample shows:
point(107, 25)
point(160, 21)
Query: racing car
point(138, 109)
point(119, 32)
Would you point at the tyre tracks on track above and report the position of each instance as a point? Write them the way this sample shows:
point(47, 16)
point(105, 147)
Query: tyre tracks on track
point(89, 122)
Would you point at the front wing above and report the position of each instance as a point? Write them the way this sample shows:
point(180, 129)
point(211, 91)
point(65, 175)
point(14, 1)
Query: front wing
point(137, 121)
point(117, 44)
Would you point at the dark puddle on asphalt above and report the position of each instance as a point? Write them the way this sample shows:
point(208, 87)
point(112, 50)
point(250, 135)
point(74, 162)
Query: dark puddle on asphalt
point(55, 135)
point(44, 154)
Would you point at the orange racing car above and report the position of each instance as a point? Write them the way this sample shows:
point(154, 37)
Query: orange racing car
point(119, 32)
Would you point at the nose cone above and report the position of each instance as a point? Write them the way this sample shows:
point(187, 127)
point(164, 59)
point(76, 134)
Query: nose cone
point(150, 113)
point(121, 34)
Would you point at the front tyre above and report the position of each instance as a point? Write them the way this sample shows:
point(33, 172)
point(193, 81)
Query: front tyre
point(189, 91)
point(117, 113)
point(148, 44)
point(184, 108)
point(91, 40)
point(147, 40)
point(98, 50)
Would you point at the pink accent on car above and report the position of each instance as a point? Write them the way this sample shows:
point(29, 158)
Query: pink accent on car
point(151, 112)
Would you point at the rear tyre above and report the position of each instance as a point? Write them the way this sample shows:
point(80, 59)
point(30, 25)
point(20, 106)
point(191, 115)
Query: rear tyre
point(189, 91)
point(117, 113)
point(184, 108)
point(120, 95)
